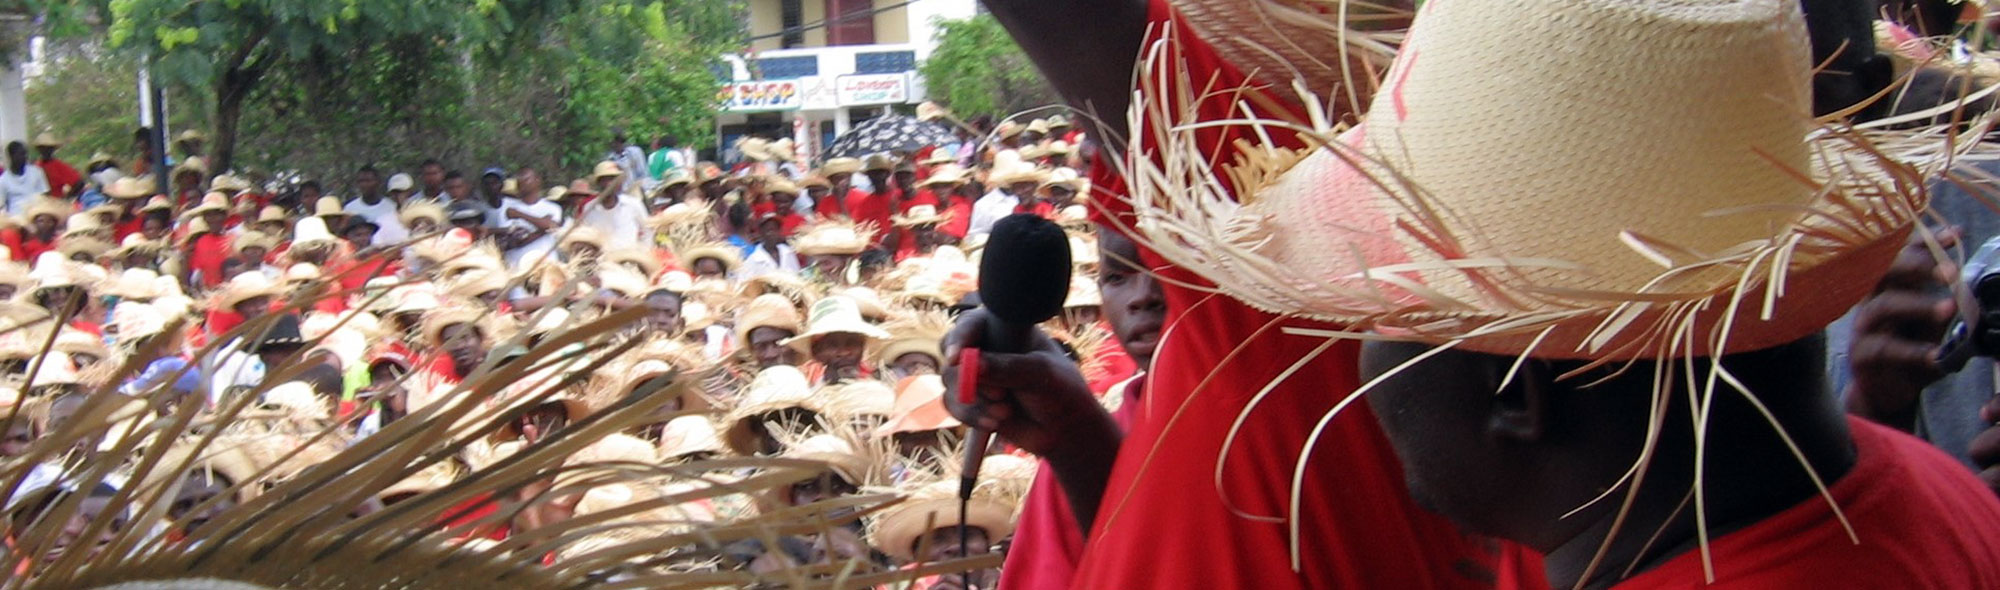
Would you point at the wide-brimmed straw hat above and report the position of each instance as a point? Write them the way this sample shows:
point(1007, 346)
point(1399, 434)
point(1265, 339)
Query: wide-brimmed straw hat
point(329, 206)
point(1279, 41)
point(1643, 219)
point(84, 245)
point(935, 505)
point(773, 389)
point(229, 184)
point(310, 230)
point(606, 169)
point(128, 188)
point(193, 165)
point(834, 236)
point(729, 255)
point(948, 174)
point(244, 286)
point(209, 202)
point(921, 333)
point(448, 313)
point(835, 314)
point(840, 166)
point(423, 210)
point(770, 310)
point(687, 435)
point(878, 163)
point(135, 244)
point(47, 206)
point(919, 408)
point(921, 215)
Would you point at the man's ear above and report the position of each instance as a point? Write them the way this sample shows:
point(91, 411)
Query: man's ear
point(1520, 409)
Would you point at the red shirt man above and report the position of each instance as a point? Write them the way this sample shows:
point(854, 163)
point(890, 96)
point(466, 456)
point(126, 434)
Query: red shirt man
point(205, 257)
point(61, 176)
point(874, 208)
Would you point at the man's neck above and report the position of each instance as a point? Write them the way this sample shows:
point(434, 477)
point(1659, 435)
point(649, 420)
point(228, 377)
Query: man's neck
point(369, 199)
point(1748, 474)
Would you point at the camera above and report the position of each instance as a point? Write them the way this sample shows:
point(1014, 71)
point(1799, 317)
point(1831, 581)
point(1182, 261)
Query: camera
point(1976, 331)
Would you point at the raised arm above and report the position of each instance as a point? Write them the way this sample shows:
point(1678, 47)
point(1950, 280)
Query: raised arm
point(1086, 48)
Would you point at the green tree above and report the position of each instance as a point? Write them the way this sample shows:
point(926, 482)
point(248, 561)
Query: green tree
point(977, 70)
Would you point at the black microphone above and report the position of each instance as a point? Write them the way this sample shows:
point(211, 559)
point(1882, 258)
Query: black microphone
point(1023, 280)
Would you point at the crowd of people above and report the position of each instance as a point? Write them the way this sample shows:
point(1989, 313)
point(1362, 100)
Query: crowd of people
point(801, 312)
point(1477, 334)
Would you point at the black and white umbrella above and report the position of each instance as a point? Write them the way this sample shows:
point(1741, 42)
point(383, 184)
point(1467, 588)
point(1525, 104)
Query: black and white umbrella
point(889, 133)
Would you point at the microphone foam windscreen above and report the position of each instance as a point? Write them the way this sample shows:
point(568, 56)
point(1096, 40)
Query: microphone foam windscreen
point(1024, 274)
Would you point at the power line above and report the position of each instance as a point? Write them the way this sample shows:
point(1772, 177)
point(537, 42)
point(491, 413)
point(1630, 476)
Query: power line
point(832, 21)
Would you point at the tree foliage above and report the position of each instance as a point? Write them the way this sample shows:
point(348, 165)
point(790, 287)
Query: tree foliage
point(323, 86)
point(977, 69)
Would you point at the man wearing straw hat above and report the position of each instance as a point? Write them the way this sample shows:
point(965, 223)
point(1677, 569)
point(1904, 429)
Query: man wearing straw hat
point(1220, 353)
point(63, 179)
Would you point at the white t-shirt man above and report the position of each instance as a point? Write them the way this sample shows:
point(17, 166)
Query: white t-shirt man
point(21, 189)
point(990, 209)
point(623, 224)
point(760, 262)
point(389, 225)
point(535, 250)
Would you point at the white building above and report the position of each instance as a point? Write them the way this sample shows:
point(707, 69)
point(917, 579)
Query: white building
point(818, 67)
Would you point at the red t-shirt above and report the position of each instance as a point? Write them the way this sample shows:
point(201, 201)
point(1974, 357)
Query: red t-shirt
point(127, 227)
point(789, 224)
point(1047, 541)
point(33, 247)
point(1163, 521)
point(873, 208)
point(12, 239)
point(206, 258)
point(61, 177)
point(1923, 520)
point(961, 218)
point(924, 197)
point(836, 207)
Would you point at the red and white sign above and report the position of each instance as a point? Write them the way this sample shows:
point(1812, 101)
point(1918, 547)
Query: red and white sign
point(867, 89)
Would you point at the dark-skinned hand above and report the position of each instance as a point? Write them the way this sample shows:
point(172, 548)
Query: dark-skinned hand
point(1897, 331)
point(1985, 448)
point(1035, 400)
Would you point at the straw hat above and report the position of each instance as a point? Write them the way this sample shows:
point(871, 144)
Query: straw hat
point(778, 185)
point(921, 215)
point(677, 177)
point(190, 135)
point(606, 169)
point(423, 210)
point(868, 301)
point(773, 389)
point(878, 163)
point(135, 320)
point(253, 239)
point(919, 408)
point(47, 206)
point(209, 202)
point(128, 188)
point(834, 315)
point(840, 166)
point(242, 287)
point(939, 157)
point(445, 314)
point(919, 333)
point(841, 456)
point(687, 435)
point(781, 150)
point(1032, 153)
point(1008, 172)
point(136, 244)
point(310, 230)
point(53, 270)
point(729, 255)
point(78, 342)
point(157, 203)
point(815, 181)
point(834, 236)
point(1082, 293)
point(1007, 129)
point(1062, 177)
point(229, 184)
point(933, 506)
point(639, 260)
point(766, 311)
point(329, 206)
point(1544, 247)
point(623, 281)
point(948, 174)
point(1074, 218)
point(583, 234)
point(193, 165)
point(870, 401)
point(302, 273)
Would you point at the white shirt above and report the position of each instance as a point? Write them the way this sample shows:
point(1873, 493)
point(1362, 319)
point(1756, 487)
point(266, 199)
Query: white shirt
point(21, 189)
point(988, 210)
point(760, 262)
point(388, 223)
point(532, 251)
point(233, 367)
point(623, 225)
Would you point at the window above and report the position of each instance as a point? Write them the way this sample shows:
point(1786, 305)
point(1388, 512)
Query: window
point(885, 62)
point(850, 22)
point(791, 16)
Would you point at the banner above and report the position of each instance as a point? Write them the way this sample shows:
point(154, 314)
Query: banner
point(870, 89)
point(760, 95)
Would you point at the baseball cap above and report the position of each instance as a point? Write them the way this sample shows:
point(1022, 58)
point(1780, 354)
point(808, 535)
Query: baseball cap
point(464, 211)
point(401, 182)
point(495, 171)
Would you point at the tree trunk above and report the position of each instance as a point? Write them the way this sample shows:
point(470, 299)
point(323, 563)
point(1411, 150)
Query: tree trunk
point(229, 94)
